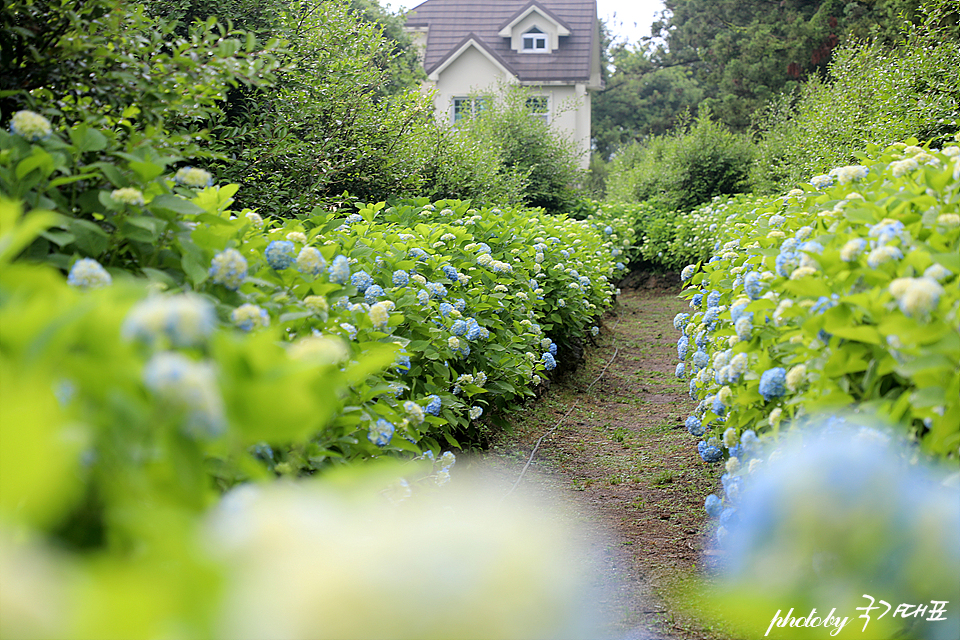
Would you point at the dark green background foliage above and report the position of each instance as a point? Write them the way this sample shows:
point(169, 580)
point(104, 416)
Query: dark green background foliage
point(731, 56)
point(873, 94)
point(297, 101)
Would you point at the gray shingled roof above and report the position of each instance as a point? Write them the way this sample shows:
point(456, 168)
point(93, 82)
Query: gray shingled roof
point(451, 22)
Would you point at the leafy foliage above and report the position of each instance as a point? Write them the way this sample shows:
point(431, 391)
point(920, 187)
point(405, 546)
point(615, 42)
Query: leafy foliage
point(528, 147)
point(684, 168)
point(849, 290)
point(873, 95)
point(745, 53)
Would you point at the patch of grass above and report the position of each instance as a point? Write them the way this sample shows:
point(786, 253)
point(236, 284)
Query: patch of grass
point(663, 477)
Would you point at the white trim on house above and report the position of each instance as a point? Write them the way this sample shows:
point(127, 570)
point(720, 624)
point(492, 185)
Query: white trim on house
point(507, 31)
point(472, 42)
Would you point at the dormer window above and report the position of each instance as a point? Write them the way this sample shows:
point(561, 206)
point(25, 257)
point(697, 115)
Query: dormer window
point(534, 41)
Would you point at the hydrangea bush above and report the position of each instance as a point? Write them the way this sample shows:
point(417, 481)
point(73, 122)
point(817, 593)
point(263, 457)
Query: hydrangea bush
point(159, 348)
point(843, 293)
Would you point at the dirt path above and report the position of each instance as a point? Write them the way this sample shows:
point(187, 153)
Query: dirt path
point(625, 462)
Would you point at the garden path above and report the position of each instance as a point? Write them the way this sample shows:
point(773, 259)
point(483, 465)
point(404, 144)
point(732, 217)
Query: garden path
point(624, 464)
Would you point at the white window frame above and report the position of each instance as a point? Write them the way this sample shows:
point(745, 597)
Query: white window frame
point(476, 103)
point(536, 38)
point(542, 111)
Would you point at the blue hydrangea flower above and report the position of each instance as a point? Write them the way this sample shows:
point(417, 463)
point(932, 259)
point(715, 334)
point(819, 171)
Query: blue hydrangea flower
point(718, 407)
point(418, 253)
point(680, 321)
point(280, 254)
point(361, 280)
point(381, 433)
point(701, 359)
point(694, 426)
point(737, 311)
point(445, 309)
point(460, 304)
point(450, 272)
point(753, 285)
point(701, 339)
point(229, 269)
point(400, 278)
point(552, 348)
point(87, 273)
point(773, 383)
point(340, 270)
point(373, 293)
point(310, 261)
point(823, 303)
point(350, 329)
point(711, 316)
point(459, 328)
point(713, 506)
point(30, 125)
point(713, 299)
point(189, 386)
point(682, 345)
point(709, 452)
point(183, 320)
point(787, 262)
point(680, 370)
point(474, 330)
point(696, 301)
point(433, 405)
point(250, 316)
point(608, 230)
point(353, 218)
point(483, 247)
point(423, 296)
point(403, 363)
point(887, 231)
point(688, 272)
point(549, 363)
point(437, 290)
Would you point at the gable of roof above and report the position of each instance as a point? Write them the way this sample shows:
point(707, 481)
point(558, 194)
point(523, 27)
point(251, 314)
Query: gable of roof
point(506, 28)
point(470, 40)
point(452, 22)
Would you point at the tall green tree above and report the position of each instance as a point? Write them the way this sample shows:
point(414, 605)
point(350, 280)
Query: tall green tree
point(745, 52)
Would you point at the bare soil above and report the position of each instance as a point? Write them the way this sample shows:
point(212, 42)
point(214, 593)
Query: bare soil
point(623, 457)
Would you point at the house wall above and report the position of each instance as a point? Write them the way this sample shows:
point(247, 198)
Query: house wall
point(473, 73)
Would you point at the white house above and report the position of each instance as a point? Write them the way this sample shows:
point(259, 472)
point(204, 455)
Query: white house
point(550, 46)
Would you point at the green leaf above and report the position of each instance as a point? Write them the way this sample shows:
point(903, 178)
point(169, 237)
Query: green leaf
point(86, 139)
point(40, 159)
point(174, 204)
point(142, 228)
point(90, 238)
point(146, 171)
point(194, 263)
point(861, 334)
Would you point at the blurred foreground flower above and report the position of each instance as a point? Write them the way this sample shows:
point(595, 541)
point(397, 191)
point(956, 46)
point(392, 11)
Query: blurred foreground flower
point(304, 561)
point(834, 514)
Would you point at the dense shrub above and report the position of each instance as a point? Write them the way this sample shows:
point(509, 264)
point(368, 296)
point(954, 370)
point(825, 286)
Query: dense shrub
point(823, 349)
point(192, 347)
point(872, 95)
point(684, 168)
point(840, 294)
